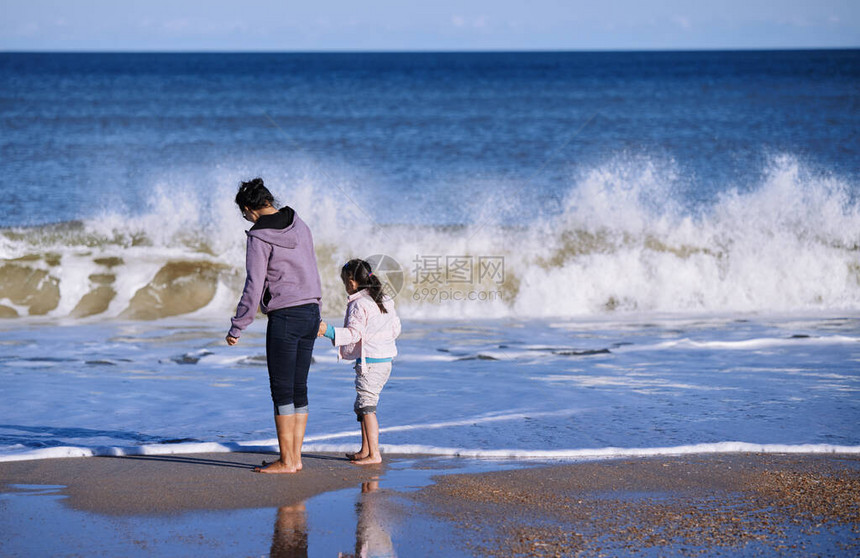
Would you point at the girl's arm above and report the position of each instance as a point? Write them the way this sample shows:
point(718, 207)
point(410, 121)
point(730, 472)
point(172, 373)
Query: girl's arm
point(326, 330)
point(257, 255)
point(396, 326)
point(354, 326)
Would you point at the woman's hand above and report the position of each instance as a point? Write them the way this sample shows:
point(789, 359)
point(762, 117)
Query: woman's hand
point(232, 340)
point(322, 329)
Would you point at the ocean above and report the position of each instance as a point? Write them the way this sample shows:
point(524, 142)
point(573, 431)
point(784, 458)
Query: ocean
point(594, 254)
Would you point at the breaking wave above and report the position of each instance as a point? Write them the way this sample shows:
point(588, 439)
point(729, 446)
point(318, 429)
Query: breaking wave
point(620, 241)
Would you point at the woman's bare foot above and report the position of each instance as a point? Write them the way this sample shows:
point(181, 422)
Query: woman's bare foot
point(267, 463)
point(369, 460)
point(275, 467)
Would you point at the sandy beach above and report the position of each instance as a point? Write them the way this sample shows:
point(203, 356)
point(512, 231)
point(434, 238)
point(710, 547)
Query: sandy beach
point(737, 504)
point(170, 484)
point(713, 505)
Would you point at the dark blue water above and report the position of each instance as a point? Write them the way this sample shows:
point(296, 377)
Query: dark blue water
point(416, 132)
point(718, 189)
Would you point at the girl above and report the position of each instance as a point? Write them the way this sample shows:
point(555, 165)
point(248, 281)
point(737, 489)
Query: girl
point(282, 279)
point(369, 329)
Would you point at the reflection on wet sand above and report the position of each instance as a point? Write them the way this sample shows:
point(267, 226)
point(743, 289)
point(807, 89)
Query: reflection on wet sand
point(371, 538)
point(290, 539)
point(291, 533)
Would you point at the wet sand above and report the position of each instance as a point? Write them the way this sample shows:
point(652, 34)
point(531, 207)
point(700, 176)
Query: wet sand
point(169, 484)
point(715, 505)
point(739, 504)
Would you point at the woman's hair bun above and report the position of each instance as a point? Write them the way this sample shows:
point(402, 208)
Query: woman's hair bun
point(253, 194)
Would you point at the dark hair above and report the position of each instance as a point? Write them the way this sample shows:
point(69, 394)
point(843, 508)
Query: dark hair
point(360, 272)
point(254, 195)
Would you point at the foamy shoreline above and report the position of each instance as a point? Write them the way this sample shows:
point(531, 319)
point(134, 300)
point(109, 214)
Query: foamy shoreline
point(582, 454)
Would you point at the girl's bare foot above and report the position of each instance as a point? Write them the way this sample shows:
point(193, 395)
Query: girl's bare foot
point(369, 460)
point(275, 467)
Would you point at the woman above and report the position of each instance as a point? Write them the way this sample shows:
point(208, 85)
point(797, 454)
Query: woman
point(282, 279)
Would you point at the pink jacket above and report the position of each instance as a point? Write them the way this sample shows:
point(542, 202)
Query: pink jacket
point(366, 331)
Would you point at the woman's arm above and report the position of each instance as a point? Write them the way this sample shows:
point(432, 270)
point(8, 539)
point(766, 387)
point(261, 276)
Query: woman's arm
point(257, 255)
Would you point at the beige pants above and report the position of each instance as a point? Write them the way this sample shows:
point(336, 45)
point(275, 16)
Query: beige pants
point(370, 378)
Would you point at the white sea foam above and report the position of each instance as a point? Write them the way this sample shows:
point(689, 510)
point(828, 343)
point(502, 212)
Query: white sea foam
point(603, 453)
point(173, 386)
point(744, 345)
point(500, 417)
point(620, 243)
point(635, 383)
point(417, 449)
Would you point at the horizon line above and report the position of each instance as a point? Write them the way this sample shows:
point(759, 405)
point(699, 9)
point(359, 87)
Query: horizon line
point(429, 51)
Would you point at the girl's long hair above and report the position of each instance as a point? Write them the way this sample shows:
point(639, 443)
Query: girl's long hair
point(360, 272)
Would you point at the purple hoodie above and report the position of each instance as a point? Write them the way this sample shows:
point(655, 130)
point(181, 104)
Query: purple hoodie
point(281, 268)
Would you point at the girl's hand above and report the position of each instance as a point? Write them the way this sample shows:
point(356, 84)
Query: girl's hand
point(322, 329)
point(232, 340)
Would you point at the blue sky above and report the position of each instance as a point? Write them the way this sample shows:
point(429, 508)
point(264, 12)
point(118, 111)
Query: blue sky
point(312, 25)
